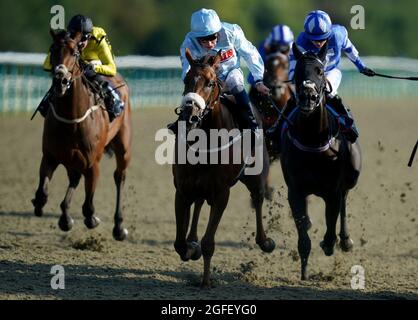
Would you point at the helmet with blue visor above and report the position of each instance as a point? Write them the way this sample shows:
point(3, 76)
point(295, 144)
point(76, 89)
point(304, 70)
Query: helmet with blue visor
point(318, 25)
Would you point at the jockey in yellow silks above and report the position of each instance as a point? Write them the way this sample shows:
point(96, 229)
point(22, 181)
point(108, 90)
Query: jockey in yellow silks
point(96, 51)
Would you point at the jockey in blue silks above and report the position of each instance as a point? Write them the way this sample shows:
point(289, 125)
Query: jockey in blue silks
point(208, 35)
point(318, 31)
point(280, 39)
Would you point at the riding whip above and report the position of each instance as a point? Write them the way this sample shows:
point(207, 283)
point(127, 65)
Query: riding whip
point(395, 77)
point(413, 155)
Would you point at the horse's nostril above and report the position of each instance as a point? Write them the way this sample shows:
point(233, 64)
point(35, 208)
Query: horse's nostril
point(194, 119)
point(64, 81)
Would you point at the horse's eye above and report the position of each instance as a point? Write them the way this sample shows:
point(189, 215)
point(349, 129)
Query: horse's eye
point(211, 84)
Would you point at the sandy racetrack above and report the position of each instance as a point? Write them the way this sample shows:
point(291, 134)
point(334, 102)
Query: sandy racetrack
point(383, 213)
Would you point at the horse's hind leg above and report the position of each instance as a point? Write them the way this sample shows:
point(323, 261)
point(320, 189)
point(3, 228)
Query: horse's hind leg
point(257, 198)
point(46, 171)
point(121, 145)
point(346, 244)
point(90, 182)
point(66, 222)
point(332, 209)
point(298, 206)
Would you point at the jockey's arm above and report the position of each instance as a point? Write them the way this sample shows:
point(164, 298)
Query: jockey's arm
point(249, 53)
point(108, 66)
point(184, 62)
point(352, 53)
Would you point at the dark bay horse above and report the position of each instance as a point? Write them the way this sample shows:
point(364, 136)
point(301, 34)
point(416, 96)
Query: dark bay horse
point(76, 132)
point(316, 158)
point(276, 78)
point(202, 108)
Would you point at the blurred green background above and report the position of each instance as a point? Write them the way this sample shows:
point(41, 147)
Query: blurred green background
point(157, 27)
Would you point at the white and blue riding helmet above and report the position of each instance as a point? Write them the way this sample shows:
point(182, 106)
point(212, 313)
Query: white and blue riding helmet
point(205, 22)
point(318, 25)
point(280, 35)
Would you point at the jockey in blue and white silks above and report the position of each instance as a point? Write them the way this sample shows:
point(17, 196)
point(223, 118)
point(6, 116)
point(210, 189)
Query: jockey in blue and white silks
point(280, 39)
point(208, 35)
point(319, 30)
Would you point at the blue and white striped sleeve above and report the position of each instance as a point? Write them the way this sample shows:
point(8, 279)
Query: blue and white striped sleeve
point(352, 53)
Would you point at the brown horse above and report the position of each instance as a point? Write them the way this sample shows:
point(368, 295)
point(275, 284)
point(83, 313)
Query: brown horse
point(76, 132)
point(204, 109)
point(276, 78)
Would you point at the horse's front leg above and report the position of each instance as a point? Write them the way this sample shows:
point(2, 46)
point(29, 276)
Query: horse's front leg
point(346, 244)
point(66, 222)
point(192, 237)
point(46, 170)
point(332, 209)
point(91, 177)
point(298, 206)
point(208, 241)
point(182, 207)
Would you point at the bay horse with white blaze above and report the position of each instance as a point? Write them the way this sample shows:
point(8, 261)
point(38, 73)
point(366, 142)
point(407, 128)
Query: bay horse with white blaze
point(76, 133)
point(202, 108)
point(316, 158)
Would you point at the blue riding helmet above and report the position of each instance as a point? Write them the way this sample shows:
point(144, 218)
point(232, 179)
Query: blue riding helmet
point(205, 22)
point(317, 25)
point(80, 23)
point(280, 35)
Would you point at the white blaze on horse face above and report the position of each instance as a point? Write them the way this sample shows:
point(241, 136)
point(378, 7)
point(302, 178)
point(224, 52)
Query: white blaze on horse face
point(61, 70)
point(196, 98)
point(309, 84)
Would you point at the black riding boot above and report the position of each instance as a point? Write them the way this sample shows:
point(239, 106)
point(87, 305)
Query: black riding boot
point(245, 109)
point(350, 131)
point(274, 133)
point(45, 104)
point(113, 102)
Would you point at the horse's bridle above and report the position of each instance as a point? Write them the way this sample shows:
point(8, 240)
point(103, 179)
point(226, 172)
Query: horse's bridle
point(68, 81)
point(318, 97)
point(210, 102)
point(276, 83)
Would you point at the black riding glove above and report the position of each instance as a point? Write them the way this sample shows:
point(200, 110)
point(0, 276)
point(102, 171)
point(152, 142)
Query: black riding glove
point(368, 72)
point(89, 71)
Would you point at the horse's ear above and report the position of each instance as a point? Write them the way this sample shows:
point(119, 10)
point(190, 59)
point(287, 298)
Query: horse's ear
point(323, 52)
point(189, 56)
point(296, 52)
point(217, 60)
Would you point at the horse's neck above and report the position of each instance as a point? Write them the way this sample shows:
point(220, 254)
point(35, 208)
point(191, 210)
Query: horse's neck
point(313, 129)
point(76, 102)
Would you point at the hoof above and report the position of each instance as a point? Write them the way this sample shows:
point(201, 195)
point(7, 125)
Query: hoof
point(268, 245)
point(268, 194)
point(184, 258)
point(38, 209)
point(65, 224)
point(38, 212)
point(120, 234)
point(92, 222)
point(346, 245)
point(328, 250)
point(304, 275)
point(196, 249)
